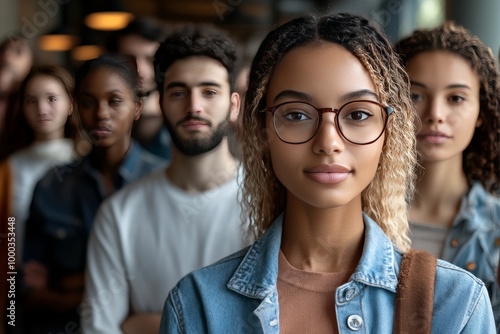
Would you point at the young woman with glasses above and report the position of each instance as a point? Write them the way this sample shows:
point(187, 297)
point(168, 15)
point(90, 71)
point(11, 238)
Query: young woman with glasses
point(328, 150)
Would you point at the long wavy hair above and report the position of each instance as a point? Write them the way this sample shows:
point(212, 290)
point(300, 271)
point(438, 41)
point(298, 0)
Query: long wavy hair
point(481, 158)
point(386, 198)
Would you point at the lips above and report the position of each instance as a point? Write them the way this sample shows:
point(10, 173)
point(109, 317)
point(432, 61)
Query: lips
point(192, 124)
point(328, 174)
point(435, 137)
point(101, 131)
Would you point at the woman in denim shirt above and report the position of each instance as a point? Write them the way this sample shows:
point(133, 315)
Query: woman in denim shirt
point(328, 150)
point(455, 90)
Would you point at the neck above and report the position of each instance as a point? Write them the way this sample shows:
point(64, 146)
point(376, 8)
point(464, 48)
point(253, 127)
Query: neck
point(323, 240)
point(440, 188)
point(49, 136)
point(202, 172)
point(108, 159)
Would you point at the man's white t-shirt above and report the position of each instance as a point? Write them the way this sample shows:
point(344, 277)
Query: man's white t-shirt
point(146, 237)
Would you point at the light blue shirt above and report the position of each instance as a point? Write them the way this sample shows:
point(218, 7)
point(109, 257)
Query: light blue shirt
point(473, 242)
point(239, 293)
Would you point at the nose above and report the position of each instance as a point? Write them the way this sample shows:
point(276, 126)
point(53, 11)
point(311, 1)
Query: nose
point(328, 139)
point(43, 107)
point(195, 104)
point(434, 112)
point(102, 111)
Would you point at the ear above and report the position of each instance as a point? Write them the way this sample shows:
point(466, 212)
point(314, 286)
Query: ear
point(138, 109)
point(235, 107)
point(71, 108)
point(479, 121)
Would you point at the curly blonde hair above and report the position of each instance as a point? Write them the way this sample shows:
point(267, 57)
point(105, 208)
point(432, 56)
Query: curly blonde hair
point(481, 158)
point(386, 198)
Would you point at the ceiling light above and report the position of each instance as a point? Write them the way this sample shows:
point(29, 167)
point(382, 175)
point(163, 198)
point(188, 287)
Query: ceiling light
point(108, 20)
point(58, 39)
point(86, 52)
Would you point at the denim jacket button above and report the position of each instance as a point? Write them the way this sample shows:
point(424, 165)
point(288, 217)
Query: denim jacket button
point(497, 242)
point(349, 293)
point(454, 243)
point(355, 322)
point(470, 265)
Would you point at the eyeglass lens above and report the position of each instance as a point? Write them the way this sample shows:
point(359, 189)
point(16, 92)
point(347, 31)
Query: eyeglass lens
point(358, 121)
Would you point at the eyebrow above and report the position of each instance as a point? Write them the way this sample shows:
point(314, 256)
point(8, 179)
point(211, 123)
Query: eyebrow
point(111, 92)
point(44, 94)
point(453, 86)
point(178, 84)
point(115, 91)
point(293, 94)
point(344, 98)
point(358, 94)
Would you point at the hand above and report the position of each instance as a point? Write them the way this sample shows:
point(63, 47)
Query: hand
point(36, 275)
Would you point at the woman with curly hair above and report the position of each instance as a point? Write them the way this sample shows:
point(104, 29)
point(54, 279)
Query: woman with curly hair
point(455, 89)
point(329, 155)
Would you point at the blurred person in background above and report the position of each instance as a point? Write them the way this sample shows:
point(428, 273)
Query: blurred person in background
point(43, 134)
point(140, 39)
point(455, 87)
point(150, 234)
point(45, 130)
point(16, 59)
point(66, 199)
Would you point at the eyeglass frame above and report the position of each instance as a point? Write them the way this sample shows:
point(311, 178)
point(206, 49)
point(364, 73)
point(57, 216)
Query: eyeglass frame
point(388, 110)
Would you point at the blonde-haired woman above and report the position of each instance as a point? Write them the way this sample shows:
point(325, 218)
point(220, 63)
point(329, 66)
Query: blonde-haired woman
point(328, 151)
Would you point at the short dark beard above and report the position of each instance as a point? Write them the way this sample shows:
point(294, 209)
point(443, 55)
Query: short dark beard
point(199, 146)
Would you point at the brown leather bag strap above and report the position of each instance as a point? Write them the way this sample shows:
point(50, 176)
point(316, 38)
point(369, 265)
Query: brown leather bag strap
point(415, 293)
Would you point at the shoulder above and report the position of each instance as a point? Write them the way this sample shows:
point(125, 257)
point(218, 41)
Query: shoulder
point(479, 199)
point(23, 153)
point(458, 294)
point(482, 209)
point(460, 299)
point(59, 176)
point(133, 195)
point(147, 160)
point(190, 302)
point(448, 273)
point(211, 279)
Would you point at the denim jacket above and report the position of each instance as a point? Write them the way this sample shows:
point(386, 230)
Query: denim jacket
point(239, 293)
point(473, 242)
point(64, 204)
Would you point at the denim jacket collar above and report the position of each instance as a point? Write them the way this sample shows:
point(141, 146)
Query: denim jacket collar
point(129, 167)
point(257, 274)
point(473, 203)
point(128, 170)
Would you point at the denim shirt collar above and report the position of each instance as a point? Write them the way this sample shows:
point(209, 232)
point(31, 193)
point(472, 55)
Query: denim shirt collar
point(476, 199)
point(257, 273)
